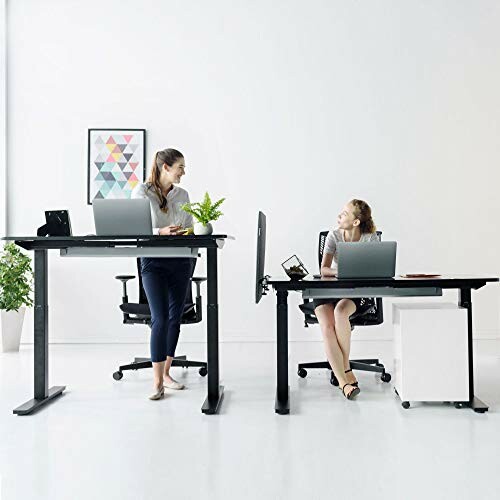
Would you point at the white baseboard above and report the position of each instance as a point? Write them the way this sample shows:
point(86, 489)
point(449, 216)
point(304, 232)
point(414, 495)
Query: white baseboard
point(482, 345)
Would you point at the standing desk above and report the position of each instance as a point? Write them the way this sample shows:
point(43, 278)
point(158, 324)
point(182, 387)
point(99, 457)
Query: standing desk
point(394, 287)
point(118, 246)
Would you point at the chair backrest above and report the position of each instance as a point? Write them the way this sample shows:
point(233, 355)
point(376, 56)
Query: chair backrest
point(372, 313)
point(321, 245)
point(142, 293)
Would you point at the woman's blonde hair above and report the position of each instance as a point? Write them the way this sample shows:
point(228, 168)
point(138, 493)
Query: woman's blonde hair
point(168, 156)
point(363, 212)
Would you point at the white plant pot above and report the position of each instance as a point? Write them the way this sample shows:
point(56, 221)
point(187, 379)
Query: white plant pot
point(202, 229)
point(12, 327)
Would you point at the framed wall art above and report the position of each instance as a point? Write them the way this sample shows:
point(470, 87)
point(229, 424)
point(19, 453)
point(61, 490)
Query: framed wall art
point(116, 162)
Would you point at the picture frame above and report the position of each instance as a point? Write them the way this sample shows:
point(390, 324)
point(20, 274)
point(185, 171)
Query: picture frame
point(116, 162)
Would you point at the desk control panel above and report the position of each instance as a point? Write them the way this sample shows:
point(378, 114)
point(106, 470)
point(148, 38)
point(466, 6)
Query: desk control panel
point(327, 293)
point(132, 251)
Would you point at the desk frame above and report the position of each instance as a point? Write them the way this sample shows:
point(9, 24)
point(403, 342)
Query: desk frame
point(40, 245)
point(464, 285)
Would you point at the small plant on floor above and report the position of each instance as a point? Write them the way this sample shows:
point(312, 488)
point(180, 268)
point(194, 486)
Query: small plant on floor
point(16, 279)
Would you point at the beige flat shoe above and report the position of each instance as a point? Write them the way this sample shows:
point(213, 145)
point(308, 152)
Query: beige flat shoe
point(176, 386)
point(158, 394)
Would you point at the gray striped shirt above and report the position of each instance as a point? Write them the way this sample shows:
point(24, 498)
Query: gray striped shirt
point(337, 236)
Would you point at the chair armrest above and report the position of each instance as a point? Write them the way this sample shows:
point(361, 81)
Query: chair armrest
point(198, 281)
point(124, 278)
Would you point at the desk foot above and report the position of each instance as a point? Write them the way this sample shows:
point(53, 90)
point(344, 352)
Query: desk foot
point(282, 406)
point(34, 404)
point(211, 406)
point(478, 406)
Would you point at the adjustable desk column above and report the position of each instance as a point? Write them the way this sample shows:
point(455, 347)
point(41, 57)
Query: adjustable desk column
point(465, 300)
point(215, 391)
point(282, 403)
point(42, 392)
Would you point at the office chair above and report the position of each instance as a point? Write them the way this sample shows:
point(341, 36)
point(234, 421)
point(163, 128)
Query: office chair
point(139, 313)
point(370, 313)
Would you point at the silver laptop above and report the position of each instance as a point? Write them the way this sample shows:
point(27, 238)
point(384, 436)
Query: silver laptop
point(122, 217)
point(366, 260)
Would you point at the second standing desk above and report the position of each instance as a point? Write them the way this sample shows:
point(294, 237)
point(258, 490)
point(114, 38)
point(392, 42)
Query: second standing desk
point(394, 287)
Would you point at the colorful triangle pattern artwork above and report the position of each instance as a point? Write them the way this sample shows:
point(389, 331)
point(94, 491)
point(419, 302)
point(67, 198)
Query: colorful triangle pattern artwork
point(116, 163)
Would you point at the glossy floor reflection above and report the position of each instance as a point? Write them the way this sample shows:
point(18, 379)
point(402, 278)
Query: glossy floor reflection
point(105, 439)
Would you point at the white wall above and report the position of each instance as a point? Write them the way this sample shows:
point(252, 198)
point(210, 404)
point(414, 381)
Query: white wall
point(290, 107)
point(3, 117)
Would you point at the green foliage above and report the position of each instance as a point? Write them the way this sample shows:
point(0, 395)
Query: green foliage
point(205, 211)
point(16, 278)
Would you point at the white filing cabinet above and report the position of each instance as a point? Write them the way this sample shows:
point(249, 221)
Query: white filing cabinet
point(430, 352)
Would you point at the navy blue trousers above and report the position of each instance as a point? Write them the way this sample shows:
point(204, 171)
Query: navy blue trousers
point(166, 282)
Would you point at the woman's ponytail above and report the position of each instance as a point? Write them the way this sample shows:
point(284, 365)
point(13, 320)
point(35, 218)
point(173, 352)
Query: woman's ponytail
point(363, 212)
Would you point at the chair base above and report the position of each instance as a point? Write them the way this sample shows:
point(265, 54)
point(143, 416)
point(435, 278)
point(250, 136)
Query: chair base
point(365, 365)
point(181, 361)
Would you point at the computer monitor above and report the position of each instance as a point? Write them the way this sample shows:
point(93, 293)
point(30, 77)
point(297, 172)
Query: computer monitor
point(366, 260)
point(57, 224)
point(129, 217)
point(261, 256)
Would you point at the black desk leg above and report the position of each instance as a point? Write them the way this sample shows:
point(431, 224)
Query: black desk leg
point(282, 403)
point(465, 300)
point(41, 355)
point(215, 391)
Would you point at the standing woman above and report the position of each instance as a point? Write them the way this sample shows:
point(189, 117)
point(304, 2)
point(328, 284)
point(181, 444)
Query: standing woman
point(165, 280)
point(355, 224)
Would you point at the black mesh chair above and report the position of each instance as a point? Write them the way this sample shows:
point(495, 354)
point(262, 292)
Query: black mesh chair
point(139, 313)
point(370, 313)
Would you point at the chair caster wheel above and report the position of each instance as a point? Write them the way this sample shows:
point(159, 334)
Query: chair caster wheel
point(203, 371)
point(118, 375)
point(385, 377)
point(405, 404)
point(333, 380)
point(302, 372)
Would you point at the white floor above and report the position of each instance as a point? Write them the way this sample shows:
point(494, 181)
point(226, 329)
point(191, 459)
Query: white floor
point(104, 440)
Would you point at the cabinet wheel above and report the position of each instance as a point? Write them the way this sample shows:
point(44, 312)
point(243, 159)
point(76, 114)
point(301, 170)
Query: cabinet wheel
point(203, 371)
point(302, 372)
point(385, 377)
point(405, 404)
point(118, 375)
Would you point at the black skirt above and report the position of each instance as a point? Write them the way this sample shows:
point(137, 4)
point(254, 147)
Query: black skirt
point(360, 302)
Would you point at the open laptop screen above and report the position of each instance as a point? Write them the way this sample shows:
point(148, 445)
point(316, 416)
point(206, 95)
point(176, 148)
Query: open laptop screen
point(122, 217)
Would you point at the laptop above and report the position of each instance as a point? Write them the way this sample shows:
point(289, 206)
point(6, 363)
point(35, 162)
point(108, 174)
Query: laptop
point(122, 217)
point(366, 260)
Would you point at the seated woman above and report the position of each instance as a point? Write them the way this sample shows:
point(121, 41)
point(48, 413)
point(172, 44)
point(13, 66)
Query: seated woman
point(355, 224)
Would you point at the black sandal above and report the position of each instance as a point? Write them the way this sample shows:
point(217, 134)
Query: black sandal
point(353, 393)
point(355, 384)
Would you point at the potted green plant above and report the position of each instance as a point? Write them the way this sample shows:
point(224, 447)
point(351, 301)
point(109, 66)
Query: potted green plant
point(16, 286)
point(204, 213)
